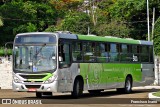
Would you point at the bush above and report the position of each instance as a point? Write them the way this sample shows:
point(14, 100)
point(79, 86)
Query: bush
point(2, 51)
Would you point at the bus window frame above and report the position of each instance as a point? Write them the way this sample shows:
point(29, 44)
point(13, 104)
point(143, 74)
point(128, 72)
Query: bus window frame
point(129, 51)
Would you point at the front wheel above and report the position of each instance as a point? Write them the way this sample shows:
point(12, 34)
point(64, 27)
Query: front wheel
point(77, 88)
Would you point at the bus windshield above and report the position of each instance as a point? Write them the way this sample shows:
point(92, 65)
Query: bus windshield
point(35, 58)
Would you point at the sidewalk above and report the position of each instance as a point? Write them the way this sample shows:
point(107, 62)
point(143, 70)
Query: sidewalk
point(150, 95)
point(147, 87)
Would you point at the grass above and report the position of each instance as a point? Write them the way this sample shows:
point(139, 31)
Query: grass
point(157, 94)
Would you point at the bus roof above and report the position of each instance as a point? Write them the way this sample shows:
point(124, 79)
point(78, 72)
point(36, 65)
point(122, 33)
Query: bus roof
point(94, 38)
point(32, 33)
point(113, 39)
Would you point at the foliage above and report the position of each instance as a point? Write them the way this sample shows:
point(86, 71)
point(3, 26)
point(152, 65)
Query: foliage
point(3, 52)
point(66, 4)
point(50, 29)
point(1, 22)
point(121, 18)
point(156, 37)
point(27, 16)
point(76, 22)
point(113, 28)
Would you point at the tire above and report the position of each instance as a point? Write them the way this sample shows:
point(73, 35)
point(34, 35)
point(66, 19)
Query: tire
point(127, 88)
point(77, 88)
point(128, 85)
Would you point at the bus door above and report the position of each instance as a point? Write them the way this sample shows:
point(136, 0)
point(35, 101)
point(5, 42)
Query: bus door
point(65, 77)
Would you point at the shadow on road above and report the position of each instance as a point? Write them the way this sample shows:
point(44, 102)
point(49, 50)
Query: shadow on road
point(102, 94)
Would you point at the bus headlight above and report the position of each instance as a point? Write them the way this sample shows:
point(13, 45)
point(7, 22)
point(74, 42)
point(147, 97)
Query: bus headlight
point(16, 79)
point(51, 79)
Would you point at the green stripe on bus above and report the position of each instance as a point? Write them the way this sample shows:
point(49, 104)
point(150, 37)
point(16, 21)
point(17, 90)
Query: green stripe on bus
point(48, 75)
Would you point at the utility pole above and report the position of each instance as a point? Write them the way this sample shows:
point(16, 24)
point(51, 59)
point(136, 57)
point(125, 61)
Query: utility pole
point(153, 22)
point(148, 20)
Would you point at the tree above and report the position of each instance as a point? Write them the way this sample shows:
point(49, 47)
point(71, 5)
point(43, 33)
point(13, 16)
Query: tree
point(27, 16)
point(113, 28)
point(156, 38)
point(1, 22)
point(135, 14)
point(76, 22)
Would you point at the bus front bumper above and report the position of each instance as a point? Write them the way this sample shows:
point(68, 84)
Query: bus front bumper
point(34, 87)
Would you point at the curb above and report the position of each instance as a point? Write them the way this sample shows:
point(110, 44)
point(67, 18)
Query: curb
point(152, 97)
point(147, 87)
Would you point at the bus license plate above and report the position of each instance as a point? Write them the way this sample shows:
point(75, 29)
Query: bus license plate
point(32, 89)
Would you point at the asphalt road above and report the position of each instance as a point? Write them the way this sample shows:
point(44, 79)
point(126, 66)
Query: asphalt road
point(107, 98)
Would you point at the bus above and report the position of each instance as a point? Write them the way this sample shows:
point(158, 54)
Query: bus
point(46, 63)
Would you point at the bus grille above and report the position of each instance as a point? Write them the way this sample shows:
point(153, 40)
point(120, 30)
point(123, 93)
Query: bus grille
point(33, 82)
point(33, 76)
point(33, 86)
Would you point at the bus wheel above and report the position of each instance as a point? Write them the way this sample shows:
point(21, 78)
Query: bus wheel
point(128, 85)
point(39, 94)
point(77, 88)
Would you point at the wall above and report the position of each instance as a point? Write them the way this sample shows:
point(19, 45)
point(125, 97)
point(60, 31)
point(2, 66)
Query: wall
point(5, 73)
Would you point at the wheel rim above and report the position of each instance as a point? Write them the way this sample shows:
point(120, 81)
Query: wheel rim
point(128, 85)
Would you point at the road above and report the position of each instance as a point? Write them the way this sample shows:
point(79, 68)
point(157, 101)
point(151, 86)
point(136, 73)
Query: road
point(107, 98)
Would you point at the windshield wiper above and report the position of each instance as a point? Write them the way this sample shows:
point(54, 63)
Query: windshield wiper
point(39, 50)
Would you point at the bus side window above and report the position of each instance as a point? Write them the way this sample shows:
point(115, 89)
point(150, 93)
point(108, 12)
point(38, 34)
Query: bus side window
point(124, 54)
point(61, 54)
point(114, 55)
point(102, 54)
point(89, 51)
point(144, 54)
point(64, 56)
point(76, 51)
point(135, 53)
point(151, 54)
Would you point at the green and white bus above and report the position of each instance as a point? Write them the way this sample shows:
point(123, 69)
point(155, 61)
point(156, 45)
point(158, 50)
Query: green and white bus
point(47, 63)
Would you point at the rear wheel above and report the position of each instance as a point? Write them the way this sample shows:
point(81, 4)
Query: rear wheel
point(128, 85)
point(77, 88)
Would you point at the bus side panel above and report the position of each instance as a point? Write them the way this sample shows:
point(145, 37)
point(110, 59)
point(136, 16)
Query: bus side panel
point(147, 75)
point(93, 75)
point(108, 75)
point(117, 73)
